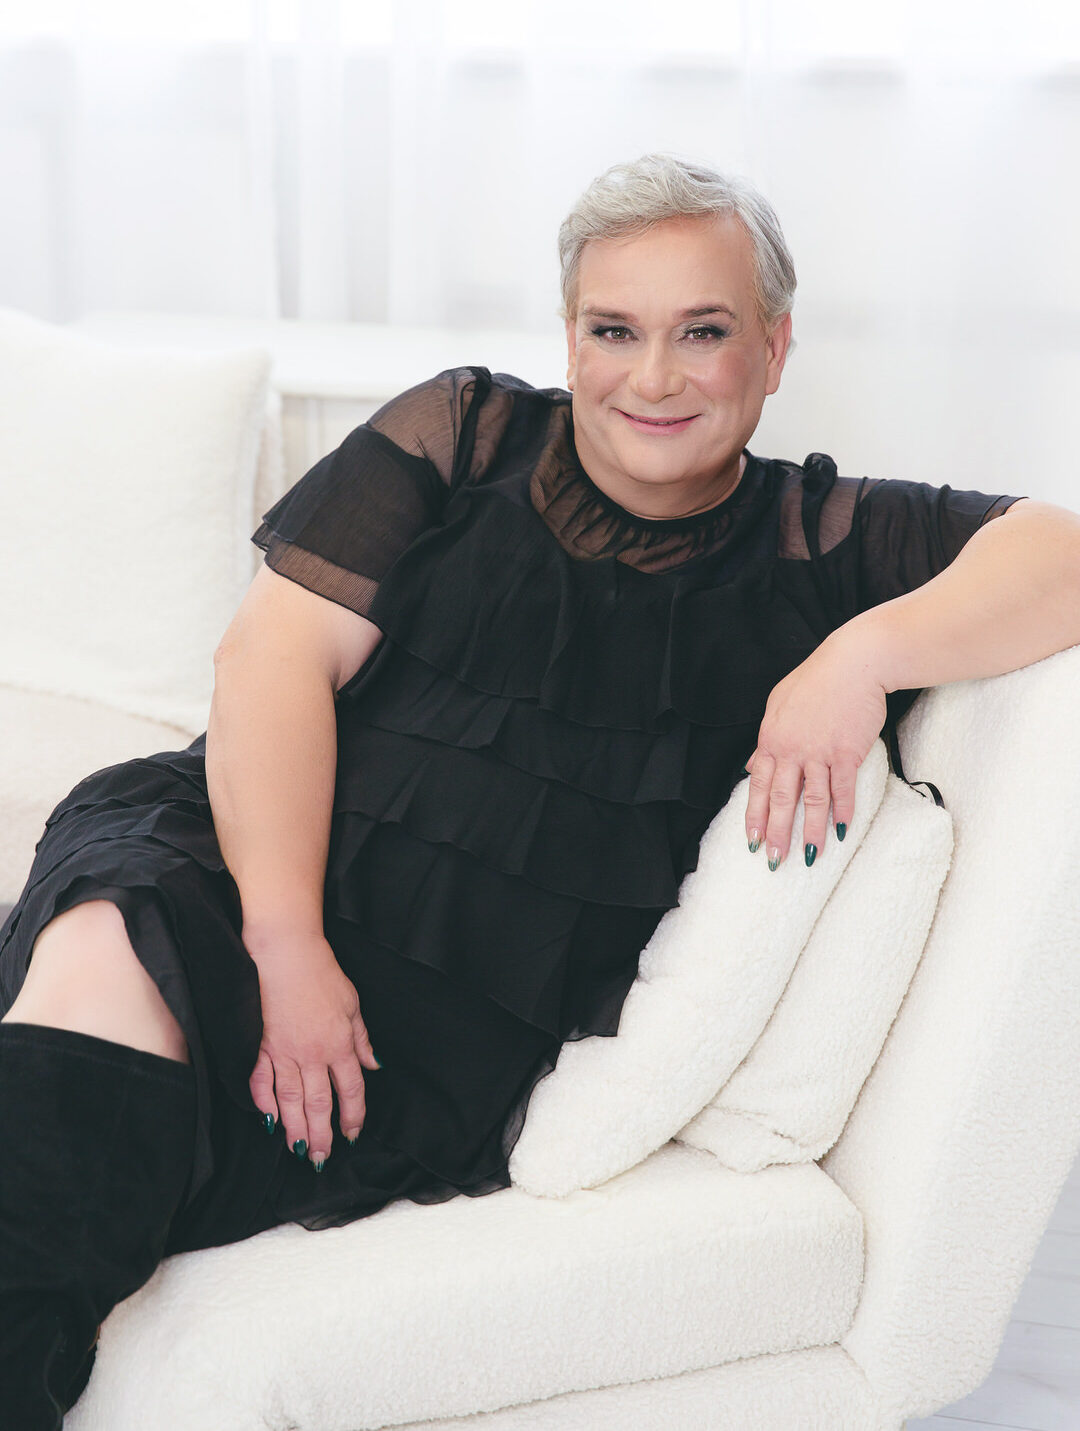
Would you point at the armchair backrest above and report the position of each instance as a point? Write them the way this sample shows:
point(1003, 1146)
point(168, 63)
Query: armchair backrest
point(969, 1123)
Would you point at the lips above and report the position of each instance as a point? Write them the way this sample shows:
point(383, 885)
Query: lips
point(658, 424)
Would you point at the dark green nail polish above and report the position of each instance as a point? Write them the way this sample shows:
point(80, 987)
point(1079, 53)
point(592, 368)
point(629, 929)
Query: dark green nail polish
point(320, 1165)
point(375, 1056)
point(775, 864)
point(841, 830)
point(754, 845)
point(269, 1123)
point(810, 855)
point(745, 771)
point(300, 1148)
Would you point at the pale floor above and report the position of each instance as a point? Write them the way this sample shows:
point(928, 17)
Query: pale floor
point(1035, 1383)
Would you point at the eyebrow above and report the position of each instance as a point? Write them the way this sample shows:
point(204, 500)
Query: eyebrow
point(702, 312)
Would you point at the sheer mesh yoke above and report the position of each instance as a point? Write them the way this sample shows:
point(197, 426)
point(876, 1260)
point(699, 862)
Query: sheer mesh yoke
point(563, 700)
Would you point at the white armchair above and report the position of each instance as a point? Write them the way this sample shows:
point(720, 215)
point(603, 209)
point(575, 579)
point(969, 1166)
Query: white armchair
point(847, 1294)
point(844, 1295)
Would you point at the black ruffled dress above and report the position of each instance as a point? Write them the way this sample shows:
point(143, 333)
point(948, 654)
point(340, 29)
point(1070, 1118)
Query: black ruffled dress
point(563, 699)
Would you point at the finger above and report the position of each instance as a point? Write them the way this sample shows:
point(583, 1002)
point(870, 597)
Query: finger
point(348, 1079)
point(817, 795)
point(261, 1084)
point(757, 801)
point(783, 798)
point(290, 1096)
point(318, 1105)
point(842, 777)
point(364, 1052)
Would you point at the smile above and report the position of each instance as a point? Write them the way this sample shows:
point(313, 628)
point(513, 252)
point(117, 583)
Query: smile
point(647, 424)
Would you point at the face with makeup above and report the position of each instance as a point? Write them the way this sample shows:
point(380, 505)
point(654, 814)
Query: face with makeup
point(667, 327)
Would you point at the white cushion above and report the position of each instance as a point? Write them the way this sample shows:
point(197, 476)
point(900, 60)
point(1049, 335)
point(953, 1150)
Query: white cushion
point(790, 1097)
point(50, 744)
point(477, 1303)
point(127, 479)
point(708, 981)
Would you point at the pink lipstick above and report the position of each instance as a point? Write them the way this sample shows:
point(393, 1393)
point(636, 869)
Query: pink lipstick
point(657, 425)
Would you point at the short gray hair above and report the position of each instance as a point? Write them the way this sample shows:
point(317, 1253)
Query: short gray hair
point(628, 198)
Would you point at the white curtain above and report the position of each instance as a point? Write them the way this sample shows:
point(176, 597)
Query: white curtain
point(410, 163)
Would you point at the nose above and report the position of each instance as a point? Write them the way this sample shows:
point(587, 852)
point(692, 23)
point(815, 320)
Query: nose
point(656, 373)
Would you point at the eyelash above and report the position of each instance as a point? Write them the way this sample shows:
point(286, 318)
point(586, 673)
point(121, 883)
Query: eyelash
point(600, 332)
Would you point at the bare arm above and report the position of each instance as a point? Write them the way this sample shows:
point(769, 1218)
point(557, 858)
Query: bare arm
point(271, 754)
point(271, 758)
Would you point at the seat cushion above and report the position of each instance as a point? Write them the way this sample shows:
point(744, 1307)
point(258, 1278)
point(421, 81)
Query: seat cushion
point(50, 743)
point(476, 1303)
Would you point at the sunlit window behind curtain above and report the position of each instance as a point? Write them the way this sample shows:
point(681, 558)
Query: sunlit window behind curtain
point(411, 162)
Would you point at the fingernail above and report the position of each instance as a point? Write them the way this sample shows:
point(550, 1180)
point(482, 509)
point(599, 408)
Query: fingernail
point(269, 1122)
point(745, 771)
point(841, 830)
point(774, 858)
point(810, 854)
point(351, 1134)
point(376, 1058)
point(300, 1148)
point(755, 841)
point(320, 1163)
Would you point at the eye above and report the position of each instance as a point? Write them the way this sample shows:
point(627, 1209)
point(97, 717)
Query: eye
point(707, 330)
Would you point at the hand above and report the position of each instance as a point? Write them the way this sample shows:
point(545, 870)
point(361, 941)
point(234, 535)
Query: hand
point(312, 1034)
point(820, 723)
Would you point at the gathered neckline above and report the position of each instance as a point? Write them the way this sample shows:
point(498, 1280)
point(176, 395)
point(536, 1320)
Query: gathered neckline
point(689, 522)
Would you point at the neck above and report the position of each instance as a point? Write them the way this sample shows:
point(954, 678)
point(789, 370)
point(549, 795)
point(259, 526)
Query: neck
point(661, 500)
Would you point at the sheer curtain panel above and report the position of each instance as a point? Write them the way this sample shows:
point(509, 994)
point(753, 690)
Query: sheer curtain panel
point(409, 164)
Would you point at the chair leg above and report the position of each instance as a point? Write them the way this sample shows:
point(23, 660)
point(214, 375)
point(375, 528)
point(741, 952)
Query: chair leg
point(96, 1144)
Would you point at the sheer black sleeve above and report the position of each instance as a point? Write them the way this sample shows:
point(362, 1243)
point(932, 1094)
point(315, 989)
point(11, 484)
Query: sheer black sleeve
point(909, 532)
point(340, 528)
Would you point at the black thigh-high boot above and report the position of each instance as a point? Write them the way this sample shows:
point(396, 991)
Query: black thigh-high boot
point(95, 1153)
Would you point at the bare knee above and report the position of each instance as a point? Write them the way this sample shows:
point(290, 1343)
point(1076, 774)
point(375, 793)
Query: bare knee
point(84, 975)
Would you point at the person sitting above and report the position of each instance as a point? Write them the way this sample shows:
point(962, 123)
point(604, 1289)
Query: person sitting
point(506, 657)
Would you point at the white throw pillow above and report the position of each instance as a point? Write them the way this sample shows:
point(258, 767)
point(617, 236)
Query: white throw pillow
point(126, 484)
point(789, 1099)
point(708, 981)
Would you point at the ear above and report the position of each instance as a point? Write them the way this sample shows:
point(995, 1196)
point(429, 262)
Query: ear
point(570, 325)
point(776, 345)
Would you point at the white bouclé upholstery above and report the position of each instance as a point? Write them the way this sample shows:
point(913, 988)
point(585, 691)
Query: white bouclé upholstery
point(789, 1099)
point(481, 1303)
point(969, 1122)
